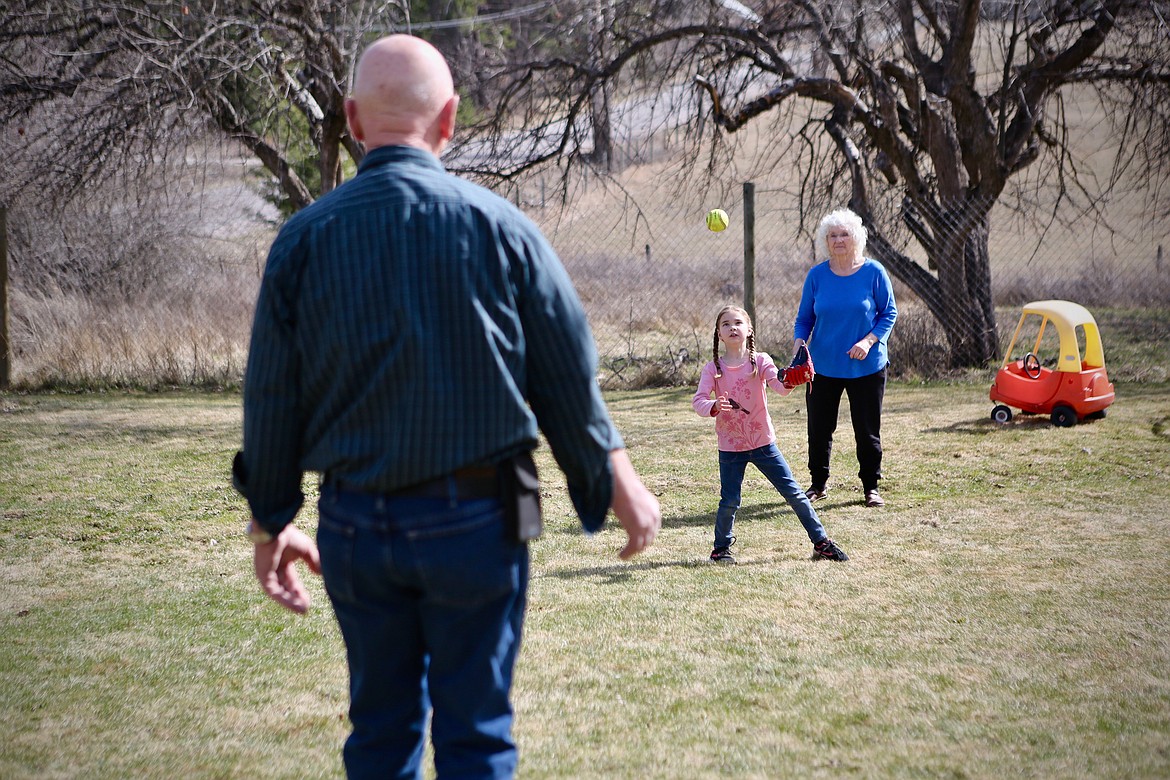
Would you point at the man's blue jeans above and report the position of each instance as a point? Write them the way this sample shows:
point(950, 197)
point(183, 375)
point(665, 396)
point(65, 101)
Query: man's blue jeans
point(772, 465)
point(430, 597)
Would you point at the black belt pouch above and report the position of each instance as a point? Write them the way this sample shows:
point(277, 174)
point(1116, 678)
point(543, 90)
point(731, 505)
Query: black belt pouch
point(520, 493)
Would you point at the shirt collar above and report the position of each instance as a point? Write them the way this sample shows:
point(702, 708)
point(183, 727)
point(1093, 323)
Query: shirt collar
point(384, 155)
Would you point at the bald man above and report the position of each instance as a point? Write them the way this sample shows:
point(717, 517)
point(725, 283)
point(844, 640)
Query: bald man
point(413, 333)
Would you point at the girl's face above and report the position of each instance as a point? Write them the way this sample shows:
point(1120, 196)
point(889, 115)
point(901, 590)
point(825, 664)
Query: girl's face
point(733, 328)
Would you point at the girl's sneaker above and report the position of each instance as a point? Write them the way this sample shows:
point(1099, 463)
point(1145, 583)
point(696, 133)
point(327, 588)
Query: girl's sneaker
point(722, 555)
point(825, 548)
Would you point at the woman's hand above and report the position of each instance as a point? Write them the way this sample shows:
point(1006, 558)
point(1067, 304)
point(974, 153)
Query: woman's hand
point(860, 350)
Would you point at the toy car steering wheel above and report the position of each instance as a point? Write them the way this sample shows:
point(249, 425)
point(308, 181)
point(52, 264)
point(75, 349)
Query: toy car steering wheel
point(1032, 365)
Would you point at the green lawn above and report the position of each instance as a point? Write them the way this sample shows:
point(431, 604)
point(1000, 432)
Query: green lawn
point(1007, 614)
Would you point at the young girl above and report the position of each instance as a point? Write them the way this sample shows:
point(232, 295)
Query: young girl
point(739, 383)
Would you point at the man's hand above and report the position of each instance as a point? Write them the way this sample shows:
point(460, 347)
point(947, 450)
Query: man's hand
point(636, 507)
point(275, 566)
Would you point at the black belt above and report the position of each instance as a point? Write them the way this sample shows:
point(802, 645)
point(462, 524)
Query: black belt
point(468, 483)
point(481, 482)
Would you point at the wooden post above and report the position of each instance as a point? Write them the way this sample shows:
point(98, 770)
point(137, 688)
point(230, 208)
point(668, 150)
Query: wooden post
point(749, 249)
point(5, 348)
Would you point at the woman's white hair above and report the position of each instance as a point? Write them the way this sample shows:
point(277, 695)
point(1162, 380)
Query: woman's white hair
point(843, 218)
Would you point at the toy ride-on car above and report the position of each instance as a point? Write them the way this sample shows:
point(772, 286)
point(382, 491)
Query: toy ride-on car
point(1072, 389)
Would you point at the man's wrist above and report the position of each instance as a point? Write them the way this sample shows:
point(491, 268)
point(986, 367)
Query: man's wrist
point(257, 533)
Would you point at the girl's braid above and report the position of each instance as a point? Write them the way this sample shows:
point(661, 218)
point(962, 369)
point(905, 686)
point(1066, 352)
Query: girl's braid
point(751, 345)
point(715, 353)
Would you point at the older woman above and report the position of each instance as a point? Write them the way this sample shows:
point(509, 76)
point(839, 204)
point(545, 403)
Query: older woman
point(846, 313)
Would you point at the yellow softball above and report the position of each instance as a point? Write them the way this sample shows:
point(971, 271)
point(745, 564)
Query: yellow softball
point(716, 220)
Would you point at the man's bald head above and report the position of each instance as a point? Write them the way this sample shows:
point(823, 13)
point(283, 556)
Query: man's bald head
point(402, 94)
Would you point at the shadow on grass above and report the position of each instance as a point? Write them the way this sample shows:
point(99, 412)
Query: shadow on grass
point(750, 511)
point(985, 426)
point(615, 573)
point(619, 573)
point(766, 511)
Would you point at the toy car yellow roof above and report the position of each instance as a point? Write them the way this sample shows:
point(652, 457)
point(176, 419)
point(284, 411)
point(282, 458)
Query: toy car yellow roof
point(1072, 313)
point(1066, 316)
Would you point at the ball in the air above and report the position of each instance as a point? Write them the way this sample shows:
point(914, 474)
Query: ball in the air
point(716, 220)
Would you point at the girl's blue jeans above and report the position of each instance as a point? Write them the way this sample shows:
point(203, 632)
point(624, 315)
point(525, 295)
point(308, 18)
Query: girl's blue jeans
point(772, 465)
point(430, 596)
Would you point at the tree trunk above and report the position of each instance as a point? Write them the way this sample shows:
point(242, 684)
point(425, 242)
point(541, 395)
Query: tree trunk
point(602, 154)
point(330, 153)
point(960, 296)
point(964, 307)
point(602, 131)
point(969, 317)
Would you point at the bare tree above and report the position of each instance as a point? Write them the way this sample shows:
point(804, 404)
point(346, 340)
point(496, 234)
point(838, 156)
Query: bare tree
point(92, 86)
point(917, 113)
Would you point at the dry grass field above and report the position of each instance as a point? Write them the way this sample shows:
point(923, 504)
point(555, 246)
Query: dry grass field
point(1007, 614)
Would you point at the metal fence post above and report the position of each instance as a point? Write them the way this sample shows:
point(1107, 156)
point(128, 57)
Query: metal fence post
point(749, 249)
point(5, 350)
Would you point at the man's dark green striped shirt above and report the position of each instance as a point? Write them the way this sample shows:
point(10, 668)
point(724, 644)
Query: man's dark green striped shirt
point(411, 323)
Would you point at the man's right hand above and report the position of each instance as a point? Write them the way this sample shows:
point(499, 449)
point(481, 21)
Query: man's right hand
point(275, 567)
point(636, 507)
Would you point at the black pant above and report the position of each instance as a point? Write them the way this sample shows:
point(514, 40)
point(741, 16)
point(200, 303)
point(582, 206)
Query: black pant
point(866, 395)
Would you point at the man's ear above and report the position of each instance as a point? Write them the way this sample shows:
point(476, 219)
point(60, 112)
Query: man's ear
point(351, 116)
point(447, 118)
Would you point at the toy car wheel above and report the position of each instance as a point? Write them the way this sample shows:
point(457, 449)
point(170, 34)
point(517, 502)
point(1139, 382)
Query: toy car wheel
point(1064, 416)
point(1032, 365)
point(1001, 414)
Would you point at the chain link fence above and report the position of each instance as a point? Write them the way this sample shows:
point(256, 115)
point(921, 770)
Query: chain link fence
point(653, 277)
point(650, 274)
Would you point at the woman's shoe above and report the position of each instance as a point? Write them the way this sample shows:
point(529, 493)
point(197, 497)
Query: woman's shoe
point(873, 498)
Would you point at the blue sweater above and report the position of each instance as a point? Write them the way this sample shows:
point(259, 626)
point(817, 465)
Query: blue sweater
point(836, 312)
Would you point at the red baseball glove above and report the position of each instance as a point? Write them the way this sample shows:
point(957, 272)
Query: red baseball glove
point(800, 370)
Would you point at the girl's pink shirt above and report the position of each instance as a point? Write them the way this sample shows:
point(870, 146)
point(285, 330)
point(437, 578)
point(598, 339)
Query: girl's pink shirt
point(748, 425)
